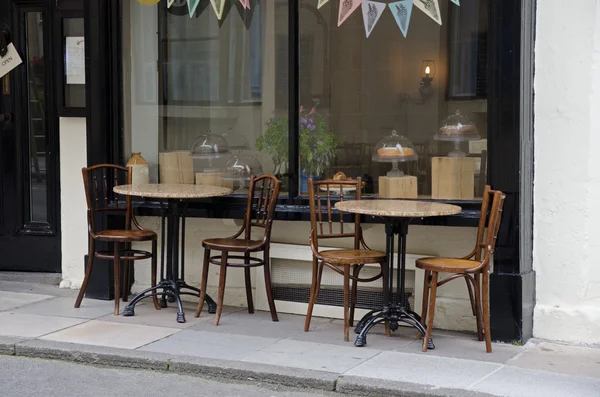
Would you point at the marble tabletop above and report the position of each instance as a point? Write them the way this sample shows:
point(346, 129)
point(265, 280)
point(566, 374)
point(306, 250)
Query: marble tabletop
point(398, 208)
point(171, 191)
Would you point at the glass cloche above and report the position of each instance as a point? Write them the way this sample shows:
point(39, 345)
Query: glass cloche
point(394, 149)
point(209, 146)
point(240, 169)
point(457, 128)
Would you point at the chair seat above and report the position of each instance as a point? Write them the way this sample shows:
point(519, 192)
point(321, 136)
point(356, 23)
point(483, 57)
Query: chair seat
point(126, 236)
point(447, 265)
point(231, 244)
point(352, 257)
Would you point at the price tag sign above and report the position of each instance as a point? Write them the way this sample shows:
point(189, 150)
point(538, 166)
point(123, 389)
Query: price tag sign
point(9, 61)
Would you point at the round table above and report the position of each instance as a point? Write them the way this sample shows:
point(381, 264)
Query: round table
point(177, 196)
point(396, 215)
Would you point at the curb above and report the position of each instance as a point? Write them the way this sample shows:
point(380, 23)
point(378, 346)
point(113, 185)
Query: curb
point(184, 365)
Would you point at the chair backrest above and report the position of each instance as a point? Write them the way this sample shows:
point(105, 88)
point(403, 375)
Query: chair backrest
point(489, 223)
point(321, 213)
point(98, 182)
point(262, 199)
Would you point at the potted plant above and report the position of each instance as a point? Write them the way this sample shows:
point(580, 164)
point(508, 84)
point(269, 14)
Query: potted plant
point(318, 144)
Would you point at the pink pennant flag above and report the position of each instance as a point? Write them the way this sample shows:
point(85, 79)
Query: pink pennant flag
point(245, 3)
point(347, 7)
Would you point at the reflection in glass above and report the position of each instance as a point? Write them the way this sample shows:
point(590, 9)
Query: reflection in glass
point(36, 116)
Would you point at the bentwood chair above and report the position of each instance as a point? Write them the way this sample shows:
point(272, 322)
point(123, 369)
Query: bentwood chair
point(260, 207)
point(98, 182)
point(474, 268)
point(348, 262)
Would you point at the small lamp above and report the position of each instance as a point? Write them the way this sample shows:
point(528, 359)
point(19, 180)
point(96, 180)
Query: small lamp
point(426, 90)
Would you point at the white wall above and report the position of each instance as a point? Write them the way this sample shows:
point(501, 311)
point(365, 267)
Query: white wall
point(73, 213)
point(567, 171)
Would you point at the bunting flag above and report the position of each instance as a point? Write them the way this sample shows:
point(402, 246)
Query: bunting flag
point(227, 6)
point(347, 7)
point(372, 11)
point(246, 13)
point(245, 3)
point(192, 5)
point(218, 6)
point(321, 3)
point(431, 8)
point(457, 2)
point(402, 10)
point(170, 3)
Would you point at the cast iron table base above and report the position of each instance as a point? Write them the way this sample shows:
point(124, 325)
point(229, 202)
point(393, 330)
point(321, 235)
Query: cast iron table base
point(398, 312)
point(170, 288)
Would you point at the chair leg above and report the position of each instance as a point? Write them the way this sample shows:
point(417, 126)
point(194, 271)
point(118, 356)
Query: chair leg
point(154, 270)
point(248, 289)
point(433, 293)
point(117, 271)
point(222, 279)
point(486, 311)
point(88, 273)
point(126, 276)
point(354, 292)
point(267, 266)
point(346, 303)
point(426, 281)
point(478, 315)
point(204, 281)
point(471, 296)
point(314, 293)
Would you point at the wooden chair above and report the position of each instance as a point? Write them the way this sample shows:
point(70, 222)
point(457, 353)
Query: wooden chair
point(262, 198)
point(475, 269)
point(98, 182)
point(345, 262)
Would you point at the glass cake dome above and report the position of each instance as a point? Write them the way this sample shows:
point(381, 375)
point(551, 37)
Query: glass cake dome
point(457, 128)
point(393, 149)
point(209, 146)
point(241, 168)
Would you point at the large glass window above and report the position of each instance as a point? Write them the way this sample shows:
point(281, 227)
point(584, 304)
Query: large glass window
point(404, 108)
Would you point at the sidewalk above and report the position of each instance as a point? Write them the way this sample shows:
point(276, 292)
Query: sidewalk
point(38, 320)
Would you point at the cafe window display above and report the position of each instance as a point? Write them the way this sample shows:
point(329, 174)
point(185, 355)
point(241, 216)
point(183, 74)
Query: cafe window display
point(393, 92)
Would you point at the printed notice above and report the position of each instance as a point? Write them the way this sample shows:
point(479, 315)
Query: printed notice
point(75, 60)
point(9, 61)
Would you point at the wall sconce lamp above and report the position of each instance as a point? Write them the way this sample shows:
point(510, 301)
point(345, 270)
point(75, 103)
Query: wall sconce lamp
point(425, 87)
point(426, 90)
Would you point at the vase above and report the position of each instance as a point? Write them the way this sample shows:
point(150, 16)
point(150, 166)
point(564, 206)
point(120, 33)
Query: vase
point(140, 172)
point(304, 182)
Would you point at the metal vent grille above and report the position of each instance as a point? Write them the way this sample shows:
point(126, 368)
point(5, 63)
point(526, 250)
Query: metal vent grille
point(291, 281)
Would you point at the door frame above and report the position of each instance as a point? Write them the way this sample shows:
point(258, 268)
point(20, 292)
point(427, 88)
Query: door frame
point(25, 233)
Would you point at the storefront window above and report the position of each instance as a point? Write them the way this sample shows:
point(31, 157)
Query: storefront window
point(395, 93)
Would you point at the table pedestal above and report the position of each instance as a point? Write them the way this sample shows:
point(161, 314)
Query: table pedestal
point(170, 287)
point(398, 311)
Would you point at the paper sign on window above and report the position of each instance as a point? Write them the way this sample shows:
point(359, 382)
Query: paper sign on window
point(372, 11)
point(402, 10)
point(75, 60)
point(347, 7)
point(9, 61)
point(431, 8)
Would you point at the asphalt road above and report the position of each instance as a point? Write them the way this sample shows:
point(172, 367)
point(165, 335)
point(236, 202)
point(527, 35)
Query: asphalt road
point(24, 377)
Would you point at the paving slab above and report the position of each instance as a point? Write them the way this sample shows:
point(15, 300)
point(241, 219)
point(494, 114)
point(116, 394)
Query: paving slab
point(33, 325)
point(104, 333)
point(424, 369)
point(259, 324)
point(146, 314)
point(310, 355)
point(521, 382)
point(63, 307)
point(210, 345)
point(7, 344)
point(553, 357)
point(12, 300)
